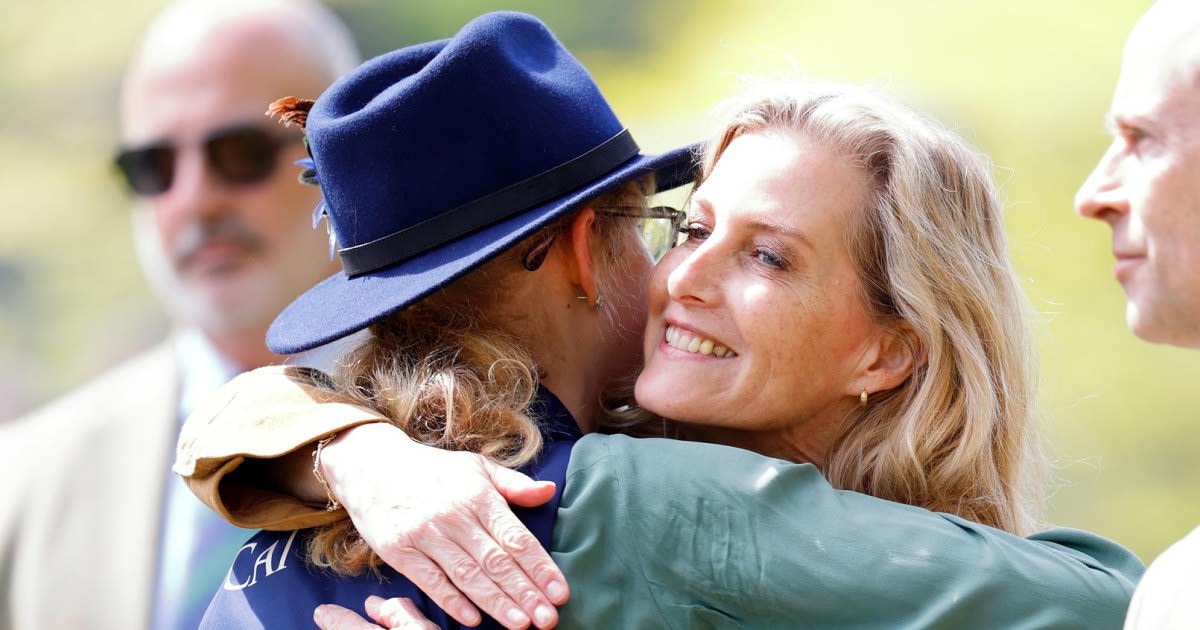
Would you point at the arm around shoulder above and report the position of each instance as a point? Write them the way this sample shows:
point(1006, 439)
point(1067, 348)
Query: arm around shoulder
point(699, 533)
point(266, 415)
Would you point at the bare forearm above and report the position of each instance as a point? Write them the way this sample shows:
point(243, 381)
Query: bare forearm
point(246, 451)
point(294, 474)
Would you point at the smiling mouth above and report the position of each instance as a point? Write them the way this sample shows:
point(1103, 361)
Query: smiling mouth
point(688, 342)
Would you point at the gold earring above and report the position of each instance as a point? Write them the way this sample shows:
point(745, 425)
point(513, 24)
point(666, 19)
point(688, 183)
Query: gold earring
point(599, 300)
point(862, 399)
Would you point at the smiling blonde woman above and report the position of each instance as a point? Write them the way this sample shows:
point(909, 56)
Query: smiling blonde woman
point(858, 252)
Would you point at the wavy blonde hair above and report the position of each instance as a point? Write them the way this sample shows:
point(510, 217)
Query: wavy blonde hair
point(453, 372)
point(959, 435)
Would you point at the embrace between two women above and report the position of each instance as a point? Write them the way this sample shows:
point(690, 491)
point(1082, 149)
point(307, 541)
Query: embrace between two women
point(837, 304)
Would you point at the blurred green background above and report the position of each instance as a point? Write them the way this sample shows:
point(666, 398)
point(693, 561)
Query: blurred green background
point(1028, 81)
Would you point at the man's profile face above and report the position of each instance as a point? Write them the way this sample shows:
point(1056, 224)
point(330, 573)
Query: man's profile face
point(229, 255)
point(1146, 187)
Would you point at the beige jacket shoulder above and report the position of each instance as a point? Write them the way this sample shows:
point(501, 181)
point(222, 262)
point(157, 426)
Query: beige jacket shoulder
point(80, 508)
point(264, 414)
point(1168, 597)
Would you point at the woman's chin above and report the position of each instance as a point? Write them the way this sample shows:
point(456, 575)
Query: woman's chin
point(670, 395)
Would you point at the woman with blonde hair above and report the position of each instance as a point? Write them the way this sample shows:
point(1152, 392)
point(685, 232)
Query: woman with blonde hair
point(842, 300)
point(921, 261)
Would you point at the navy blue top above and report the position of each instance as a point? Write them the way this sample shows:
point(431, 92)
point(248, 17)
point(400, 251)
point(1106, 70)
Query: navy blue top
point(271, 586)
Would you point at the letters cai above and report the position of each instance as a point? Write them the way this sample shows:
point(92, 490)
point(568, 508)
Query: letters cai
point(266, 560)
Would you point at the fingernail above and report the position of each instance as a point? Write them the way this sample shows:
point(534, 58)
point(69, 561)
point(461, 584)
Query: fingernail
point(517, 617)
point(470, 616)
point(557, 591)
point(373, 599)
point(543, 615)
point(320, 612)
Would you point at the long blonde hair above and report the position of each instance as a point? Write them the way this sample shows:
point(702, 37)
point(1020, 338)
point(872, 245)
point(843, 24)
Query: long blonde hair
point(453, 372)
point(959, 434)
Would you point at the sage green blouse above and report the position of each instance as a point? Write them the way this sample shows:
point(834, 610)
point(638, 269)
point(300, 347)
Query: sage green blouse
point(718, 537)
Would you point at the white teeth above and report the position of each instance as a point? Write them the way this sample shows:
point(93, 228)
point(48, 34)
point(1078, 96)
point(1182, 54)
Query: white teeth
point(677, 338)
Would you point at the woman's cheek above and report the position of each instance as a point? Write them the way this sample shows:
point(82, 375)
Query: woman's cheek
point(658, 289)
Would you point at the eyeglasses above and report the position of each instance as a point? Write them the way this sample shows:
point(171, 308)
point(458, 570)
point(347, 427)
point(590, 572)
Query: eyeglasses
point(237, 155)
point(658, 228)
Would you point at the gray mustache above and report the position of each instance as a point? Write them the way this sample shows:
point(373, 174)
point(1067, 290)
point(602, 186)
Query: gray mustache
point(227, 229)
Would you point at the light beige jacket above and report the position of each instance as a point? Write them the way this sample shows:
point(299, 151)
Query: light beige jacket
point(263, 413)
point(81, 500)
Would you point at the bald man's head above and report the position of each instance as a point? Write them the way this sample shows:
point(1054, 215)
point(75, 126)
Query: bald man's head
point(228, 241)
point(1169, 33)
point(311, 34)
point(1145, 186)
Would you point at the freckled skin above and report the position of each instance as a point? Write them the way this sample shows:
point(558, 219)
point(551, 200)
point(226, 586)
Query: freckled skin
point(801, 333)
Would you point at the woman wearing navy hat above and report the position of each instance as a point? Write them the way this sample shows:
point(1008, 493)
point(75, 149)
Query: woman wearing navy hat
point(485, 207)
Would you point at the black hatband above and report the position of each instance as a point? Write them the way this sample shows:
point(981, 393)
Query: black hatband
point(491, 208)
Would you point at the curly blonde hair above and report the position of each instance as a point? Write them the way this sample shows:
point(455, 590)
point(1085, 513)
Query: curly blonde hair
point(452, 374)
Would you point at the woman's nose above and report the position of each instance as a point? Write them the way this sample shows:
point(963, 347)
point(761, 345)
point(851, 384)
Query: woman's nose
point(696, 278)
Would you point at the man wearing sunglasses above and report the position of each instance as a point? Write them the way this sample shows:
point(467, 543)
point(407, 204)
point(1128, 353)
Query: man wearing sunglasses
point(102, 536)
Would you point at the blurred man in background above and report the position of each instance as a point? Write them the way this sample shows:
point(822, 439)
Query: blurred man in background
point(1147, 189)
point(94, 531)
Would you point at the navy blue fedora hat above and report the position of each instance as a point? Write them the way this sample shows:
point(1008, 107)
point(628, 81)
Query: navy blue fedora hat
point(435, 158)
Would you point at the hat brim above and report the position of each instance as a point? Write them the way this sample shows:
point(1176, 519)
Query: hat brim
point(341, 305)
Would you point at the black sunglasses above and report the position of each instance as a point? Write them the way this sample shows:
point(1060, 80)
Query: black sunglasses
point(237, 155)
point(659, 229)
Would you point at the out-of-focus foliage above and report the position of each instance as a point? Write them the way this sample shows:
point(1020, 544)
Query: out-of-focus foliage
point(1027, 81)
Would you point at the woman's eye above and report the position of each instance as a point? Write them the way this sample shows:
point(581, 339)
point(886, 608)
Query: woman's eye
point(769, 257)
point(695, 232)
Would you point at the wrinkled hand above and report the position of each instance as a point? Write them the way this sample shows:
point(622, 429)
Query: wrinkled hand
point(397, 613)
point(442, 519)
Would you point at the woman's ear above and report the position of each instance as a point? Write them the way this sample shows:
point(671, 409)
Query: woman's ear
point(895, 355)
point(582, 272)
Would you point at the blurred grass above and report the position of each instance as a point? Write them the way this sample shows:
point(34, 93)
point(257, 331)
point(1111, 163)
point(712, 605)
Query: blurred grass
point(1026, 81)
